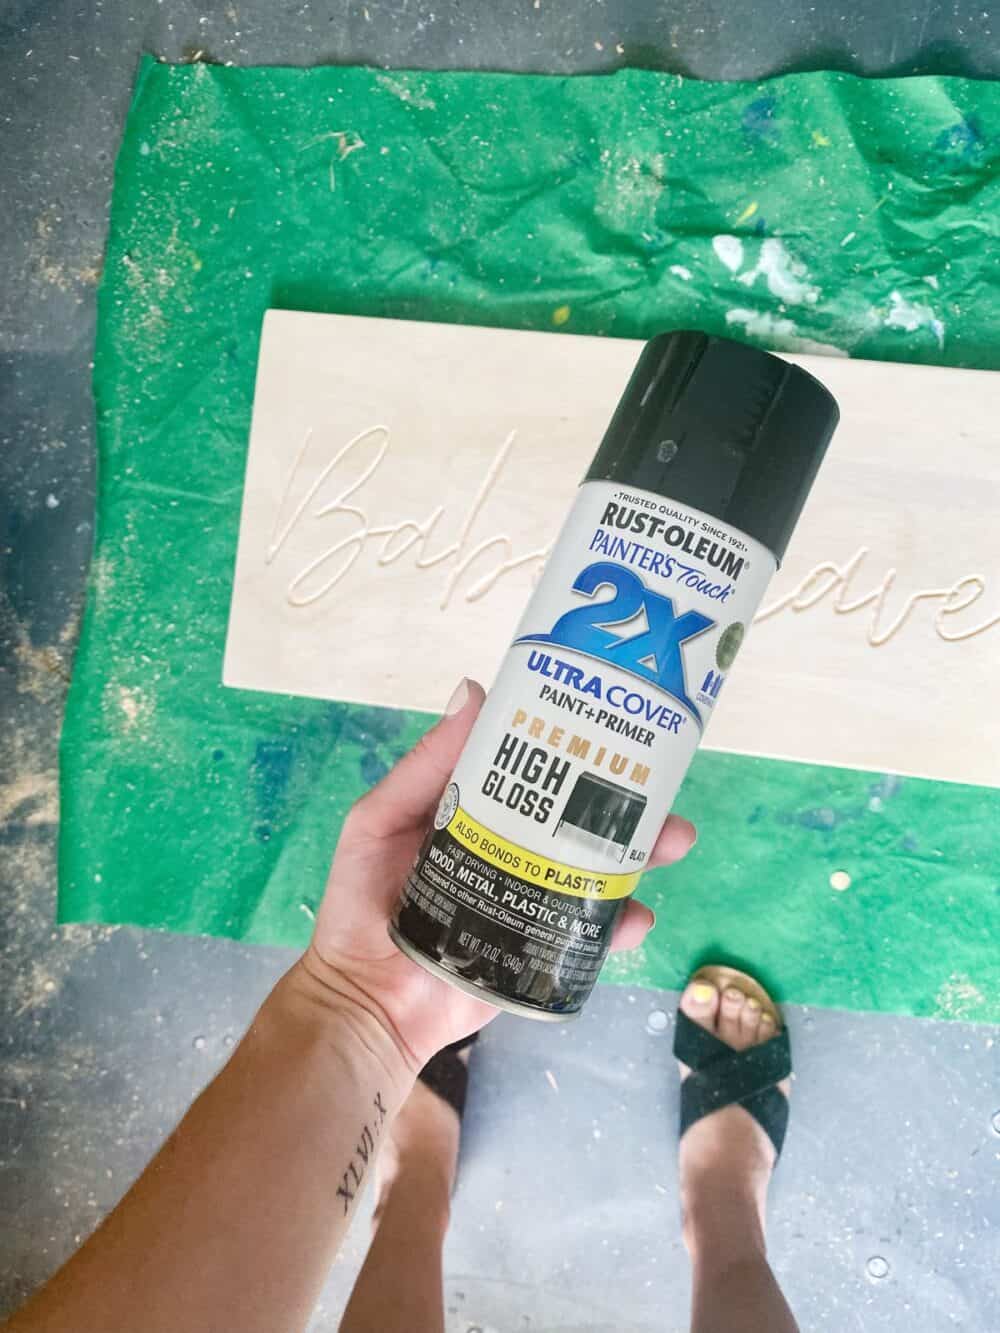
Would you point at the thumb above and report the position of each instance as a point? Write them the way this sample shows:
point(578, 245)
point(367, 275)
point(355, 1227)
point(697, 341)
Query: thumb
point(408, 794)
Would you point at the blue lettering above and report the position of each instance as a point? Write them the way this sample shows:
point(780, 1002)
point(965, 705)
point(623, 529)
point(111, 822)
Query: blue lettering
point(598, 629)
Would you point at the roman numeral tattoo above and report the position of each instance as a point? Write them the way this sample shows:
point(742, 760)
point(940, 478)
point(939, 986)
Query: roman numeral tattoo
point(364, 1149)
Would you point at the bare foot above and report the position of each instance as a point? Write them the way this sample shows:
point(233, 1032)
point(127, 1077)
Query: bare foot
point(726, 1159)
point(420, 1152)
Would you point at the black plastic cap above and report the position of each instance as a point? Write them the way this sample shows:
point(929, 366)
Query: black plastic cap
point(722, 427)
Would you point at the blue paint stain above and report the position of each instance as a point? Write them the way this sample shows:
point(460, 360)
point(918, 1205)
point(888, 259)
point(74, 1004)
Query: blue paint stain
point(270, 772)
point(965, 139)
point(760, 118)
point(760, 226)
point(370, 726)
point(218, 754)
point(373, 769)
point(374, 730)
point(823, 818)
point(263, 832)
point(756, 815)
point(333, 718)
point(910, 844)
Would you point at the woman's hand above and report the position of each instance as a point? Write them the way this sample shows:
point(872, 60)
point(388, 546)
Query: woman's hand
point(351, 951)
point(262, 1175)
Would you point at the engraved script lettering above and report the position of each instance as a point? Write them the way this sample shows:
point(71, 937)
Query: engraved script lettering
point(353, 465)
point(368, 450)
point(827, 576)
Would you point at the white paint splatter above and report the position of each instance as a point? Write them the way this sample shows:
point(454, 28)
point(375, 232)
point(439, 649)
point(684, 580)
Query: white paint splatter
point(729, 250)
point(135, 708)
point(781, 334)
point(932, 281)
point(679, 271)
point(910, 316)
point(408, 89)
point(131, 705)
point(848, 238)
point(631, 189)
point(786, 277)
point(958, 997)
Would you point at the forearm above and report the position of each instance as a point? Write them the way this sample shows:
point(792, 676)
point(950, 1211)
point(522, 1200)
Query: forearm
point(234, 1223)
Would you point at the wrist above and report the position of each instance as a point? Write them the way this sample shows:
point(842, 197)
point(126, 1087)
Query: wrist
point(337, 1013)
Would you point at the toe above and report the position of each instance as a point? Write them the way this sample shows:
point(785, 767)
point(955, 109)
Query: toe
point(750, 1021)
point(700, 1002)
point(730, 1010)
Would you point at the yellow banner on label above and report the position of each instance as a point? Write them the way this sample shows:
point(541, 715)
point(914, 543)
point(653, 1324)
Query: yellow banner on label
point(536, 868)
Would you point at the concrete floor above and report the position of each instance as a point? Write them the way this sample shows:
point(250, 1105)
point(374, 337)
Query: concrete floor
point(886, 1207)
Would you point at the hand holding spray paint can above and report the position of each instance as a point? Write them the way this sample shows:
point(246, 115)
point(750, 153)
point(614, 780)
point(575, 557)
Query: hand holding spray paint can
point(614, 672)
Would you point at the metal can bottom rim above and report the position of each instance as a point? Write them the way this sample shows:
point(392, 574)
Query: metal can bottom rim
point(472, 988)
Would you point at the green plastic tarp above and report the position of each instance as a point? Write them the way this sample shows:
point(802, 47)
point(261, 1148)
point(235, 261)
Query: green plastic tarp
point(591, 205)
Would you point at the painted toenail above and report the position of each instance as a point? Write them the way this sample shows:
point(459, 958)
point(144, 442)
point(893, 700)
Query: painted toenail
point(702, 992)
point(767, 1018)
point(733, 995)
point(753, 1002)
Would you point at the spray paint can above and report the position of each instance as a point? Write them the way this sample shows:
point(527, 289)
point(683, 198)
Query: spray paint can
point(614, 673)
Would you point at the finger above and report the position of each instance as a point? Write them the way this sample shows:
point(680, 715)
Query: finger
point(632, 927)
point(407, 795)
point(674, 840)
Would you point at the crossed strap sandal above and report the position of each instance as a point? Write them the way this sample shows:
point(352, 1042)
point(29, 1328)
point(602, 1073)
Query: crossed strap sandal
point(721, 1076)
point(448, 1075)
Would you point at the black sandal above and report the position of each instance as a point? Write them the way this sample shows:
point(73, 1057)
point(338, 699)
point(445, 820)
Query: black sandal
point(721, 1076)
point(447, 1075)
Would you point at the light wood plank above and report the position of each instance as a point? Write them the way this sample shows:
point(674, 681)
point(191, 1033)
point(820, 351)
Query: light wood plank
point(384, 569)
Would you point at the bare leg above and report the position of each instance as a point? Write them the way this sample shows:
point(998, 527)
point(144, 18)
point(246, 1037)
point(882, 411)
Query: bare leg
point(400, 1287)
point(725, 1168)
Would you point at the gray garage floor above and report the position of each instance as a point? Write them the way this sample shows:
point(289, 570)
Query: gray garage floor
point(886, 1206)
point(885, 1209)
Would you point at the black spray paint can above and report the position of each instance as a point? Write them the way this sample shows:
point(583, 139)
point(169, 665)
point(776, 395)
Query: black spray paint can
point(614, 673)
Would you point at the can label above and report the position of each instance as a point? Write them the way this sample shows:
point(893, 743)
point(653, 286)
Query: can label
point(586, 735)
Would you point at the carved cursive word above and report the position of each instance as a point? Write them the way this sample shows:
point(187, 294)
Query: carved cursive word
point(369, 448)
point(828, 576)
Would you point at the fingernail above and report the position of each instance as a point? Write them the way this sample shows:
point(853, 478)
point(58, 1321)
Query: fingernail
point(459, 699)
point(684, 825)
point(702, 992)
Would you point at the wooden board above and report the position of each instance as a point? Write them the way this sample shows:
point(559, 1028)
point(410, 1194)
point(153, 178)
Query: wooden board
point(404, 482)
